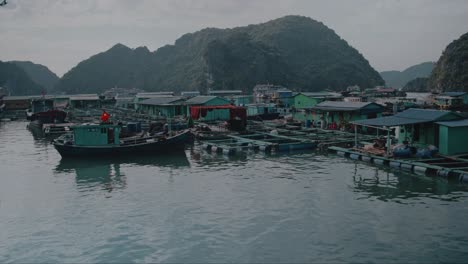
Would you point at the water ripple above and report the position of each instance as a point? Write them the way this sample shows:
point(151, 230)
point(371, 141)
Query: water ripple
point(206, 207)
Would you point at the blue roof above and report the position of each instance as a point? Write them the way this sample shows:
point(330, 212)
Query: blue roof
point(343, 106)
point(453, 94)
point(458, 123)
point(161, 100)
point(202, 99)
point(408, 117)
point(423, 114)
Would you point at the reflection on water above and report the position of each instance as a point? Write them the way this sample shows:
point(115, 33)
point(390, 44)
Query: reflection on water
point(107, 172)
point(385, 185)
point(196, 206)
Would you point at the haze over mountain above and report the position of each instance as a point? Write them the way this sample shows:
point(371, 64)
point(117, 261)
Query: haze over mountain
point(39, 74)
point(417, 85)
point(294, 51)
point(451, 70)
point(398, 79)
point(17, 81)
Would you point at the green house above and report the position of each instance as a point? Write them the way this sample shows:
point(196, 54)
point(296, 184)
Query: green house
point(163, 106)
point(203, 100)
point(259, 109)
point(241, 100)
point(418, 127)
point(309, 100)
point(96, 135)
point(453, 137)
point(451, 100)
point(340, 113)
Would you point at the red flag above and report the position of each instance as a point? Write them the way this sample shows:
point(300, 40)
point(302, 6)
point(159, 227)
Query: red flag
point(105, 116)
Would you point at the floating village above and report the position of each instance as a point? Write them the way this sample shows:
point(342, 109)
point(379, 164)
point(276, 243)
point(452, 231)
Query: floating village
point(422, 134)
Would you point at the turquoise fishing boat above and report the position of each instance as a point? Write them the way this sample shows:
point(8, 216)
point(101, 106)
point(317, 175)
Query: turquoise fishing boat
point(104, 140)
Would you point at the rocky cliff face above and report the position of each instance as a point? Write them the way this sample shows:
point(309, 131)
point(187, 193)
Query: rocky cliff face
point(451, 71)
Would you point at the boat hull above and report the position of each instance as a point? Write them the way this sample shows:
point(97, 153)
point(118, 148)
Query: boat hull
point(176, 143)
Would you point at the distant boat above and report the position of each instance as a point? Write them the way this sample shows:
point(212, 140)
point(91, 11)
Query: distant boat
point(104, 140)
point(43, 112)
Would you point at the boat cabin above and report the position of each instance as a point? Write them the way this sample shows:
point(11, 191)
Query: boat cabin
point(96, 135)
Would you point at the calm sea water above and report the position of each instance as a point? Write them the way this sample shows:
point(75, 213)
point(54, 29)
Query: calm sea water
point(201, 207)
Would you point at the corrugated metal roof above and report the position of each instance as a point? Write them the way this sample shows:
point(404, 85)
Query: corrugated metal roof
point(389, 121)
point(21, 97)
point(225, 91)
point(84, 97)
point(161, 100)
point(30, 97)
point(154, 94)
point(342, 106)
point(423, 114)
point(453, 94)
point(407, 117)
point(321, 94)
point(202, 99)
point(458, 123)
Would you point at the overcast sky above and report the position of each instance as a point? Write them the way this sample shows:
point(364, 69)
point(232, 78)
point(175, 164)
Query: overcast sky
point(60, 33)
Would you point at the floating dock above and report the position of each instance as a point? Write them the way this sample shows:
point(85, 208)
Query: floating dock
point(258, 141)
point(445, 167)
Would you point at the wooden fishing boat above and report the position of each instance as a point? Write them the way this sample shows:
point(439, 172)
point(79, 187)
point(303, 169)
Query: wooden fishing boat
point(104, 140)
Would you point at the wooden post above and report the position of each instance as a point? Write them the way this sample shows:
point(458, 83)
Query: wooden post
point(389, 142)
point(355, 136)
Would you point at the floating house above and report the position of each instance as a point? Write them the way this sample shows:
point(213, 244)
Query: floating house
point(163, 106)
point(213, 114)
point(143, 96)
point(451, 99)
point(85, 101)
point(282, 97)
point(419, 127)
point(341, 114)
point(265, 93)
point(189, 93)
point(121, 92)
point(381, 92)
point(308, 100)
point(60, 101)
point(242, 100)
point(223, 93)
point(41, 105)
point(17, 102)
point(124, 102)
point(263, 111)
point(453, 137)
